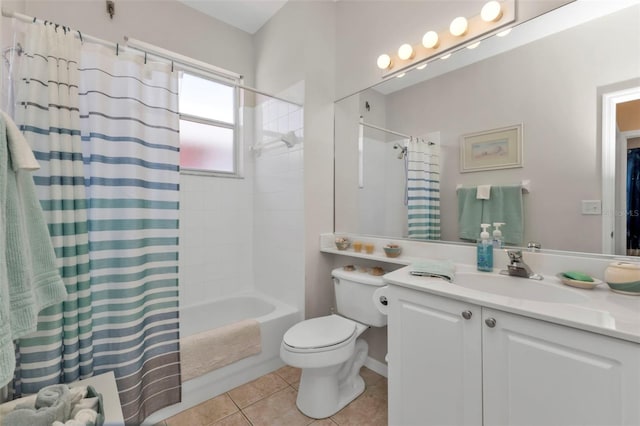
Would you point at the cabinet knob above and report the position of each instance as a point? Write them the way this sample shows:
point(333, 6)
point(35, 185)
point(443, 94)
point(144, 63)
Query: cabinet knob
point(383, 300)
point(491, 322)
point(466, 314)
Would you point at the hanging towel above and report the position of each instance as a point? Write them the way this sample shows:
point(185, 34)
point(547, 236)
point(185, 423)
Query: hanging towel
point(505, 205)
point(29, 277)
point(469, 214)
point(484, 192)
point(21, 155)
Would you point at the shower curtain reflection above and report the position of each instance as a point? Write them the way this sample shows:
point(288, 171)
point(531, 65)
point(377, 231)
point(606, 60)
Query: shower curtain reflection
point(633, 202)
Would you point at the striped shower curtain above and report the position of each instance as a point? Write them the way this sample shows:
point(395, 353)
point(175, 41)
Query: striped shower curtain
point(105, 129)
point(423, 190)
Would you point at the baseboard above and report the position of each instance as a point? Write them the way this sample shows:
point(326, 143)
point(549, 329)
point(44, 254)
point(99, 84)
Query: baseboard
point(377, 366)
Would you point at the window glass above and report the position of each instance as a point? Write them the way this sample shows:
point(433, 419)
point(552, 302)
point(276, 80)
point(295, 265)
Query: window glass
point(206, 147)
point(206, 98)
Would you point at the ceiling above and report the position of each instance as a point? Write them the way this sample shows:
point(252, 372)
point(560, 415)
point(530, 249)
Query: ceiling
point(247, 15)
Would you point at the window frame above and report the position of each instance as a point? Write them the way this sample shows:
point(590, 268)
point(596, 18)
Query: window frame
point(235, 126)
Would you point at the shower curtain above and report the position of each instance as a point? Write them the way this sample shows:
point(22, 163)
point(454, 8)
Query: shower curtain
point(423, 190)
point(633, 201)
point(105, 130)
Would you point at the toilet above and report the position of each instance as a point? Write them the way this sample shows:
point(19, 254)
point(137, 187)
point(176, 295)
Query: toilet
point(328, 350)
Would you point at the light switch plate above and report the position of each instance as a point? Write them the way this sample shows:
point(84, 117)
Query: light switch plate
point(591, 206)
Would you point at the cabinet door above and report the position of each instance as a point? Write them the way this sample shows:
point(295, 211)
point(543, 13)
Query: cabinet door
point(538, 373)
point(434, 360)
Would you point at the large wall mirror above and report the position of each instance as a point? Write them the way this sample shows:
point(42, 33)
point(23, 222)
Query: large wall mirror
point(548, 78)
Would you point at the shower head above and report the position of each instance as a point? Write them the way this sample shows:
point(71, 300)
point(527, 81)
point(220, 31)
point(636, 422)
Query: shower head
point(290, 139)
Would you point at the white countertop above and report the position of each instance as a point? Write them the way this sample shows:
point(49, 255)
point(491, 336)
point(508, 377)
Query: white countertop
point(598, 310)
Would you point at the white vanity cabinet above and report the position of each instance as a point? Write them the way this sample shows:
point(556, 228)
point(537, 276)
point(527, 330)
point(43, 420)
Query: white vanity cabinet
point(457, 363)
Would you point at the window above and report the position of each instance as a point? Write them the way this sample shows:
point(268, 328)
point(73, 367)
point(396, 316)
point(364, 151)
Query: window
point(207, 125)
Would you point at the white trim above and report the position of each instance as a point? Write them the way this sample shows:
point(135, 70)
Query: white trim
point(377, 366)
point(609, 128)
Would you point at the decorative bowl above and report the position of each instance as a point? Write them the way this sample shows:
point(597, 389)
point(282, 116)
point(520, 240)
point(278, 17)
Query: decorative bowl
point(623, 277)
point(342, 243)
point(392, 250)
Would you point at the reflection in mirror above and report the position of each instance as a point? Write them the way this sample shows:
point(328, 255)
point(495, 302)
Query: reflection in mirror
point(552, 86)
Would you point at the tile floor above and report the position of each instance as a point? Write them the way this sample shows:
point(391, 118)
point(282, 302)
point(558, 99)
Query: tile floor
point(271, 401)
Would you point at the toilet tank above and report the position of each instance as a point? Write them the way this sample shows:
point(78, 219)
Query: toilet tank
point(354, 296)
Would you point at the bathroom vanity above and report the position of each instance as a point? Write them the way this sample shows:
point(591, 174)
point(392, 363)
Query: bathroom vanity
point(495, 350)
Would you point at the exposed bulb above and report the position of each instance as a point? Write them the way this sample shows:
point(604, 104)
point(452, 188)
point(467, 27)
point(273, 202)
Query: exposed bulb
point(458, 26)
point(405, 52)
point(430, 40)
point(384, 61)
point(491, 11)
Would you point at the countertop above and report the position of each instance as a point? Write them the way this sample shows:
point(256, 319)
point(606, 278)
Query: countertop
point(598, 310)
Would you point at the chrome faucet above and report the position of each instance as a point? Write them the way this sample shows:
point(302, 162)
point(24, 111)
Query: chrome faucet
point(517, 267)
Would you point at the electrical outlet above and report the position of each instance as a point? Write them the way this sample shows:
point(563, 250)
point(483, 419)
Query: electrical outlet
point(591, 207)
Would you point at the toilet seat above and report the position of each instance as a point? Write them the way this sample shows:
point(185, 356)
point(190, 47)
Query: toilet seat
point(321, 333)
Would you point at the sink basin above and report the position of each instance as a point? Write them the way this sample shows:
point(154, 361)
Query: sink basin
point(518, 288)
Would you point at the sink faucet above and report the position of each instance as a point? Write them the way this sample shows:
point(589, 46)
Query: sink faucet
point(517, 267)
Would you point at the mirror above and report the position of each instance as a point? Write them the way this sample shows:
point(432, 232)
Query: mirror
point(549, 82)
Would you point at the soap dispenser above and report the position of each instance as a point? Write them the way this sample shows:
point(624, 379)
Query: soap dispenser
point(498, 242)
point(485, 250)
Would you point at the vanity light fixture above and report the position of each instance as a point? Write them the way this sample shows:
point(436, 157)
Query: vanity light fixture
point(384, 62)
point(459, 26)
point(491, 11)
point(430, 40)
point(406, 52)
point(463, 31)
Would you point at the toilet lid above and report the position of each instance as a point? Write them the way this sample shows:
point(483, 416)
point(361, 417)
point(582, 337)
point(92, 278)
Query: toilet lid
point(319, 332)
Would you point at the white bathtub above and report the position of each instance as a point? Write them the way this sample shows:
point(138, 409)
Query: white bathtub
point(275, 319)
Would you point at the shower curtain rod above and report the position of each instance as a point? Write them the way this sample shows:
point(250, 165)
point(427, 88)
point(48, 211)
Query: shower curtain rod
point(393, 132)
point(144, 48)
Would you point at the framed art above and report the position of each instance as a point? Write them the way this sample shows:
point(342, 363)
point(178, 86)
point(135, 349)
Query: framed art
point(491, 149)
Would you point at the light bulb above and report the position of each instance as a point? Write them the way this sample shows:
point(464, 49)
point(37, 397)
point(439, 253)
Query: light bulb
point(458, 26)
point(384, 62)
point(473, 46)
point(430, 40)
point(405, 52)
point(491, 11)
point(504, 33)
point(422, 66)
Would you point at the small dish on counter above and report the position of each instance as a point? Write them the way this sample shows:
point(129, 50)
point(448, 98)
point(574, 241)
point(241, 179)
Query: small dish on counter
point(342, 243)
point(589, 285)
point(392, 250)
point(623, 278)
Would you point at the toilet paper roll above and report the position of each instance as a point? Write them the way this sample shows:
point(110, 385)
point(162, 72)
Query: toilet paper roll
point(380, 300)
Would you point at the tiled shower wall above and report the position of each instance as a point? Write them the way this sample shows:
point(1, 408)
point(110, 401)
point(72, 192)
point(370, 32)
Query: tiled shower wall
point(278, 223)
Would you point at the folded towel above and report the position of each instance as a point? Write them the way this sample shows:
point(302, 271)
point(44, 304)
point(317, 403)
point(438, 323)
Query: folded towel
point(444, 269)
point(209, 350)
point(51, 405)
point(85, 404)
point(483, 192)
point(21, 154)
point(86, 417)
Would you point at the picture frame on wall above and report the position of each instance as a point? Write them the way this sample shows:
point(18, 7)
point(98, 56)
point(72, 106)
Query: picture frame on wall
point(491, 149)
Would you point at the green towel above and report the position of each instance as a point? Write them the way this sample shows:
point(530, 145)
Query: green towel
point(444, 269)
point(29, 276)
point(469, 214)
point(505, 205)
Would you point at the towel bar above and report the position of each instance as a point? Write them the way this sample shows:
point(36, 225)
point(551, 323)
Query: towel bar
point(526, 186)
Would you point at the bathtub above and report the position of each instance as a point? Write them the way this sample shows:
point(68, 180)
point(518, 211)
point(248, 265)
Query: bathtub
point(274, 317)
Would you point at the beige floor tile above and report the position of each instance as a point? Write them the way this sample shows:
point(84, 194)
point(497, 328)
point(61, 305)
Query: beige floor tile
point(251, 392)
point(369, 409)
point(236, 419)
point(205, 413)
point(290, 374)
point(370, 377)
point(277, 409)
